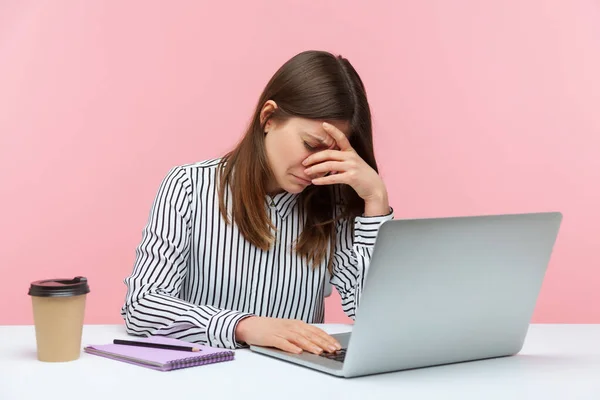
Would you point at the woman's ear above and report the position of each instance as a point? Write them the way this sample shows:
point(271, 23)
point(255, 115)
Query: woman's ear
point(267, 110)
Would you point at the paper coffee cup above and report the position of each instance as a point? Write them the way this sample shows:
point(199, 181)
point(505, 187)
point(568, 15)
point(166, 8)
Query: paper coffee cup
point(58, 311)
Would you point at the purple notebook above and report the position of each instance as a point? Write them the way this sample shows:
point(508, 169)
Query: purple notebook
point(161, 359)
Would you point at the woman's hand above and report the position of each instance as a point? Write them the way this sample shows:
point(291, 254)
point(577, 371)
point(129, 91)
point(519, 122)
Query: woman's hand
point(346, 166)
point(289, 335)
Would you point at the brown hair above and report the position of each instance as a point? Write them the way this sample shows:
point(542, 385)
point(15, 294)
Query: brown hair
point(314, 85)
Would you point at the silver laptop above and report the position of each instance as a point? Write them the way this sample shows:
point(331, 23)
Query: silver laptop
point(442, 291)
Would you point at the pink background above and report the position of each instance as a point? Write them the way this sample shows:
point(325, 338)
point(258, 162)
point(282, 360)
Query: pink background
point(479, 107)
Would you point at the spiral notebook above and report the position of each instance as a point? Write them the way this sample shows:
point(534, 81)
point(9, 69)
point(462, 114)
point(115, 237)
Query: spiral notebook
point(161, 359)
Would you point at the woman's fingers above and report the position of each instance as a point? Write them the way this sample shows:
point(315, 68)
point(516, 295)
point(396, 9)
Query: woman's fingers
point(286, 345)
point(292, 336)
point(303, 342)
point(324, 155)
point(322, 342)
point(313, 339)
point(330, 342)
point(332, 179)
point(326, 167)
point(341, 139)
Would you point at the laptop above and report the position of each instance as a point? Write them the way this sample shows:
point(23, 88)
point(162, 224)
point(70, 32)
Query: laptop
point(442, 291)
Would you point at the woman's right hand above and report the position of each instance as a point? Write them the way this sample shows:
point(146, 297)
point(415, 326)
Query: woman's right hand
point(289, 335)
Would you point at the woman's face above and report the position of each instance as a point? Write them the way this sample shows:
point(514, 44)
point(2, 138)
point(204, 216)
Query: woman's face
point(289, 143)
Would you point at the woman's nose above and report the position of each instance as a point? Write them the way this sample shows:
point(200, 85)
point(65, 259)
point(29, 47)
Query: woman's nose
point(319, 175)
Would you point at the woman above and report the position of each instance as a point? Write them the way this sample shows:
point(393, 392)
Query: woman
point(237, 250)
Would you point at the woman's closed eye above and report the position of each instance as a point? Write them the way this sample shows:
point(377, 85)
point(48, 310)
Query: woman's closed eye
point(309, 147)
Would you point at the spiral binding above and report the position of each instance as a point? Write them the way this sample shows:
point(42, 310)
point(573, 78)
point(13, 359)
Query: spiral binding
point(200, 360)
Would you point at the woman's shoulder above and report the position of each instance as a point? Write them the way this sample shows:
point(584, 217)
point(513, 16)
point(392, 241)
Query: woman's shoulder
point(191, 174)
point(212, 163)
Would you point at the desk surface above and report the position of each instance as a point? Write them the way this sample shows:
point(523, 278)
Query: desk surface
point(557, 362)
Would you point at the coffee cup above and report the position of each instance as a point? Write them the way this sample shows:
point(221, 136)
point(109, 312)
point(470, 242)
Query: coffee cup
point(58, 312)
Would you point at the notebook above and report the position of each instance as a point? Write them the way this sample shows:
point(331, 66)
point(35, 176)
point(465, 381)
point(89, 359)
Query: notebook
point(161, 359)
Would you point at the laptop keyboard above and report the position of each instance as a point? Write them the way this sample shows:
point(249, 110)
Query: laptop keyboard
point(339, 355)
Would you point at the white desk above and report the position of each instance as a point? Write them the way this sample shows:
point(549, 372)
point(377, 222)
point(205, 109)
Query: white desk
point(557, 362)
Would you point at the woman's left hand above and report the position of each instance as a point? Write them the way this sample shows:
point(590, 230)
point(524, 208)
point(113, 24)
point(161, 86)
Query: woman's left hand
point(346, 166)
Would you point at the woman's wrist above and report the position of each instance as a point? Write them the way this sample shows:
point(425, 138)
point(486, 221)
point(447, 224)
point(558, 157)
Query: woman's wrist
point(377, 205)
point(240, 330)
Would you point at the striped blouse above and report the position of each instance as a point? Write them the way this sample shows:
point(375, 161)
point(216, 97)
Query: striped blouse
point(195, 276)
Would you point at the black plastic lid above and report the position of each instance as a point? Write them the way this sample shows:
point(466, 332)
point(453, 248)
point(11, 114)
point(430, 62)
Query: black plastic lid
point(59, 287)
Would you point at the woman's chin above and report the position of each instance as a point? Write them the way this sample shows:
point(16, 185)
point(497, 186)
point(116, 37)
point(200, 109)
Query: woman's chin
point(295, 188)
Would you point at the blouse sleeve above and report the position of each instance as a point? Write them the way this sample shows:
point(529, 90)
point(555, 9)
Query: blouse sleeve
point(152, 304)
point(352, 255)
